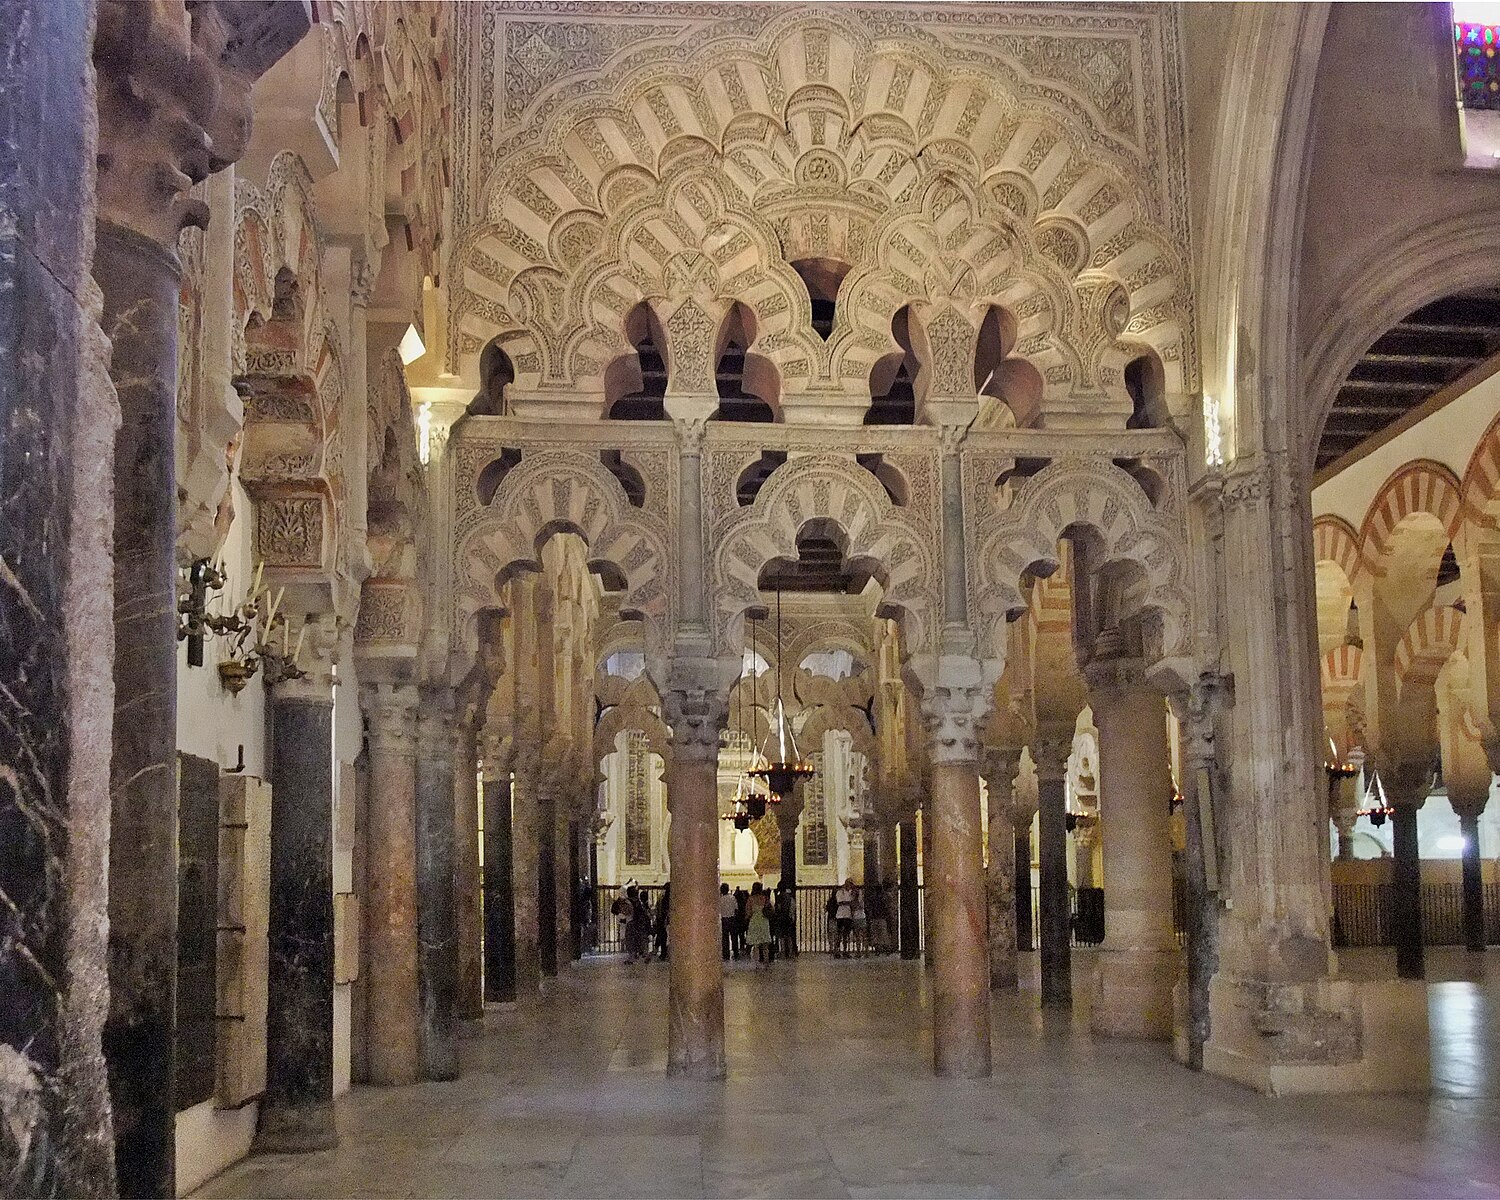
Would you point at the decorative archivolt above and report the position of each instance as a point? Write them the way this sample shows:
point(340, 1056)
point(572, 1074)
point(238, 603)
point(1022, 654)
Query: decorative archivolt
point(1421, 486)
point(1335, 541)
point(973, 184)
point(1085, 495)
point(628, 706)
point(568, 491)
point(831, 488)
point(1429, 641)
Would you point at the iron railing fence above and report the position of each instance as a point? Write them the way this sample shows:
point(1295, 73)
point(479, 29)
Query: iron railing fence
point(1362, 914)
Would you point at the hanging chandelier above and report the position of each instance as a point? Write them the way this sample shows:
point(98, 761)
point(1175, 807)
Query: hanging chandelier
point(1376, 809)
point(782, 765)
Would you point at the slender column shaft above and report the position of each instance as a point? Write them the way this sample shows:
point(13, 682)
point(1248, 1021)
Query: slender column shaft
point(546, 883)
point(1025, 935)
point(1406, 893)
point(911, 927)
point(929, 943)
point(961, 982)
point(437, 974)
point(499, 911)
point(390, 924)
point(469, 1004)
point(575, 885)
point(1136, 966)
point(140, 281)
point(296, 1111)
point(695, 1025)
point(1473, 883)
point(1000, 880)
point(1056, 930)
point(525, 857)
point(564, 859)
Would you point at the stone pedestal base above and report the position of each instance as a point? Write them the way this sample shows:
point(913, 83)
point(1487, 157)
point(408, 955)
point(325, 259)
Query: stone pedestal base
point(1132, 993)
point(1323, 1036)
point(295, 1130)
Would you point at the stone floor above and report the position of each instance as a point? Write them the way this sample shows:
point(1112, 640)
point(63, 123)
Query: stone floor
point(831, 1094)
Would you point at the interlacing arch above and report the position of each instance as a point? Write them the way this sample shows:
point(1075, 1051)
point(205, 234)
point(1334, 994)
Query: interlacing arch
point(1083, 494)
point(1427, 644)
point(567, 491)
point(832, 488)
point(1335, 541)
point(926, 180)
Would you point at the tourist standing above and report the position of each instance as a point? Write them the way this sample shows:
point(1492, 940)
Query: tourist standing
point(728, 913)
point(786, 921)
point(843, 918)
point(758, 925)
point(637, 926)
point(663, 916)
point(741, 921)
point(877, 912)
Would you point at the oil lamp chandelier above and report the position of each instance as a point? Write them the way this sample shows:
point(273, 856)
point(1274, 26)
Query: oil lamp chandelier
point(749, 803)
point(782, 765)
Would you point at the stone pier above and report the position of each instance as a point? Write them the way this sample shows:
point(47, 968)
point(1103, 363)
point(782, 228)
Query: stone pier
point(437, 963)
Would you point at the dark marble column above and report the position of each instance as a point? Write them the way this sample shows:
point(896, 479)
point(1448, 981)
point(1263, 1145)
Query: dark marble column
point(910, 915)
point(788, 814)
point(1025, 935)
point(1469, 804)
point(296, 1111)
point(575, 886)
point(468, 922)
point(140, 283)
point(1406, 893)
point(1056, 925)
point(956, 896)
point(563, 862)
point(437, 947)
point(546, 882)
point(57, 422)
point(499, 915)
point(525, 858)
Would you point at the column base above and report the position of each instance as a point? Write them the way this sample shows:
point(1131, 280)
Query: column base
point(1132, 993)
point(284, 1129)
point(1324, 1035)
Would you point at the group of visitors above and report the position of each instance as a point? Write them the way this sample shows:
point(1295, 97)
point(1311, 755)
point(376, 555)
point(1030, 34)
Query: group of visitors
point(859, 920)
point(757, 923)
point(642, 922)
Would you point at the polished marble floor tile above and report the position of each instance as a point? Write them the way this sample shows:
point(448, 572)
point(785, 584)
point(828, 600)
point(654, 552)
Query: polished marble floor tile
point(831, 1094)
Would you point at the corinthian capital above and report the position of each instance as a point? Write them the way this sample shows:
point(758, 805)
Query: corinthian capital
point(954, 711)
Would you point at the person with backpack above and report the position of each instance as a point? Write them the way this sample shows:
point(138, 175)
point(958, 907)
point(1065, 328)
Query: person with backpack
point(785, 922)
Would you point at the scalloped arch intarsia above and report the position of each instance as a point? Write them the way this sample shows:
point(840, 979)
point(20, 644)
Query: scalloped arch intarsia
point(966, 168)
point(567, 491)
point(835, 488)
point(1096, 495)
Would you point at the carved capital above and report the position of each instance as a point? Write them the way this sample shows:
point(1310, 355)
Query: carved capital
point(174, 102)
point(1051, 751)
point(954, 715)
point(321, 636)
point(436, 729)
point(1196, 710)
point(390, 717)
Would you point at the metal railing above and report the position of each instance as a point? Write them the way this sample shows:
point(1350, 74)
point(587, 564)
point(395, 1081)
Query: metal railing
point(1362, 914)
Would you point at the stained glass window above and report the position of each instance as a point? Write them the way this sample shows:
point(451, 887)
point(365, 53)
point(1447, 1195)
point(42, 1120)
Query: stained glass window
point(1475, 44)
point(637, 802)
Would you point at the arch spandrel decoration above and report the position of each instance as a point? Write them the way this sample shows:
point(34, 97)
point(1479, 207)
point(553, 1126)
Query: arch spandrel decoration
point(927, 157)
point(1095, 495)
point(554, 491)
point(834, 488)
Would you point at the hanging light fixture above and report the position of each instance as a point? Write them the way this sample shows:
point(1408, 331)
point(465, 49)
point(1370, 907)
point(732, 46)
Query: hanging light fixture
point(741, 811)
point(1376, 809)
point(783, 764)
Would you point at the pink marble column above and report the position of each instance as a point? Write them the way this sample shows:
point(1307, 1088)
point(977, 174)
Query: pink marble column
point(390, 917)
point(1137, 964)
point(1000, 876)
point(695, 1019)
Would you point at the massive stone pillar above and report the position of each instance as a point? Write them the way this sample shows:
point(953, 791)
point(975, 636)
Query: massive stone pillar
point(695, 1021)
point(468, 921)
point(58, 414)
point(1469, 804)
point(525, 858)
point(1051, 756)
point(956, 882)
point(499, 903)
point(296, 1110)
point(437, 963)
point(1000, 764)
point(390, 909)
point(1136, 966)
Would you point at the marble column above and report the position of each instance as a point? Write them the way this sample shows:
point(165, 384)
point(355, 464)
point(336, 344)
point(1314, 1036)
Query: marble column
point(437, 962)
point(59, 414)
point(1469, 804)
point(499, 910)
point(468, 918)
point(525, 858)
point(1025, 935)
point(961, 976)
point(139, 278)
point(910, 912)
point(695, 977)
point(546, 880)
point(392, 1044)
point(1406, 784)
point(564, 860)
point(1000, 878)
point(1051, 757)
point(788, 814)
point(929, 943)
point(1136, 966)
point(296, 1109)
